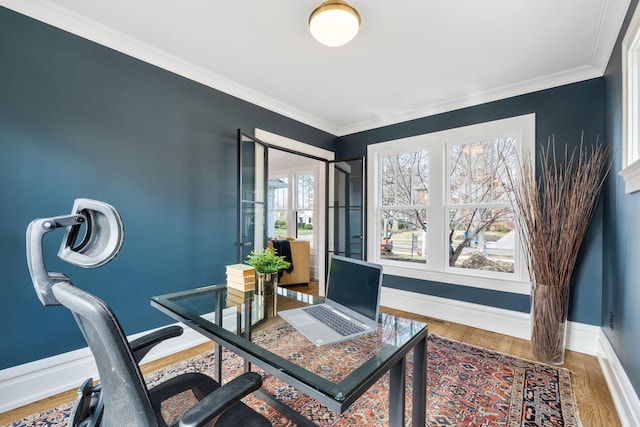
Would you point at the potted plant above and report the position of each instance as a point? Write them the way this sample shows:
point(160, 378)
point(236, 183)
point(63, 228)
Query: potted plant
point(553, 215)
point(267, 264)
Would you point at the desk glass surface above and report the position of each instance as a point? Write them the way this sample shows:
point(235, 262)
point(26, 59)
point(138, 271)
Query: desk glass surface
point(337, 371)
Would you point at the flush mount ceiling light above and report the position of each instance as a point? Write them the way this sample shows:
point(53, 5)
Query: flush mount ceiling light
point(334, 23)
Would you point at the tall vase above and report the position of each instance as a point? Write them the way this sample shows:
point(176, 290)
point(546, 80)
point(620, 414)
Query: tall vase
point(266, 286)
point(549, 309)
point(266, 283)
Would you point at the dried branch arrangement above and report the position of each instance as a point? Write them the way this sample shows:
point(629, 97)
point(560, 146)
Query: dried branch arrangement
point(553, 215)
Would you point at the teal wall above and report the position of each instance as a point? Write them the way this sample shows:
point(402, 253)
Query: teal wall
point(621, 284)
point(80, 120)
point(563, 112)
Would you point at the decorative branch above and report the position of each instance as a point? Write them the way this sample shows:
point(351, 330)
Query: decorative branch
point(553, 215)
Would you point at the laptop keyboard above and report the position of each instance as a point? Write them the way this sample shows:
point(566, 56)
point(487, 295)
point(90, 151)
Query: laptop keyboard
point(334, 321)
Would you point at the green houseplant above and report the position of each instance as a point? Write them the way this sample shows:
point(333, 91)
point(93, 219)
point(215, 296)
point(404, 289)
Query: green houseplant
point(267, 261)
point(267, 264)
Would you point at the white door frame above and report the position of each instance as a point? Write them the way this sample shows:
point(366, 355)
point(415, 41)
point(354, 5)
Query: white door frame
point(293, 145)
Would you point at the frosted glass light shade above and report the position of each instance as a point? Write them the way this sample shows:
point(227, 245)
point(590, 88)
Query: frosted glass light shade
point(334, 23)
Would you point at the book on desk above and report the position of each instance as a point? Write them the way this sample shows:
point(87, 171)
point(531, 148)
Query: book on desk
point(241, 277)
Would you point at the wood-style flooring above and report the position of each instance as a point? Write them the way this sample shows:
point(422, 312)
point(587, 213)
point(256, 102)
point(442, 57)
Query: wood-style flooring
point(594, 400)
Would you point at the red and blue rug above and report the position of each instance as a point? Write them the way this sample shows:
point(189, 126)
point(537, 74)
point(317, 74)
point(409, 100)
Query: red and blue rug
point(467, 386)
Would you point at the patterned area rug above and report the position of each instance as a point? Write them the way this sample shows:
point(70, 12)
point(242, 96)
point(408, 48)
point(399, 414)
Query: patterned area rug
point(467, 386)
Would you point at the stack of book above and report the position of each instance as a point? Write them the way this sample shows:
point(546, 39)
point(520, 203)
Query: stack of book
point(241, 277)
point(235, 297)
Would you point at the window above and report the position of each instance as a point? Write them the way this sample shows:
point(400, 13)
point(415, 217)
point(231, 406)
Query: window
point(631, 105)
point(441, 205)
point(291, 204)
point(278, 205)
point(304, 206)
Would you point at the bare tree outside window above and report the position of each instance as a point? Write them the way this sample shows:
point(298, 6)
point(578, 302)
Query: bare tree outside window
point(405, 200)
point(481, 221)
point(480, 215)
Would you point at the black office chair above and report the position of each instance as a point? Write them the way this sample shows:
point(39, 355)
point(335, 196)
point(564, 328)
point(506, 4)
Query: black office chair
point(122, 397)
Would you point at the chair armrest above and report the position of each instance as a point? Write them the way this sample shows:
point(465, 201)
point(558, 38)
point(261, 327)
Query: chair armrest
point(221, 399)
point(141, 346)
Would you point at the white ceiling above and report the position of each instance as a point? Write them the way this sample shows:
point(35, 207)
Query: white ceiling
point(412, 58)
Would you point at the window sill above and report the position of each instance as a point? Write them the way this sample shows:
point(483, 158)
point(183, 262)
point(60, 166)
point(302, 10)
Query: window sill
point(631, 176)
point(474, 281)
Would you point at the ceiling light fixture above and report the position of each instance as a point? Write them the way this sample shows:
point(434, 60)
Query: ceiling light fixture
point(334, 23)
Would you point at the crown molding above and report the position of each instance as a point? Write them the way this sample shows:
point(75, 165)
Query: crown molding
point(81, 26)
point(611, 18)
point(472, 99)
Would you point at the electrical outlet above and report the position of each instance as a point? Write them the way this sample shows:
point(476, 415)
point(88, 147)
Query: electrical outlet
point(611, 320)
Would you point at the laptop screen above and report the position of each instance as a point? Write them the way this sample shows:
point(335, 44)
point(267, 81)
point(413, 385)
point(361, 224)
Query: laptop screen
point(355, 284)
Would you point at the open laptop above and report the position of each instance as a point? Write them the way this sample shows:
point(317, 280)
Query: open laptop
point(353, 295)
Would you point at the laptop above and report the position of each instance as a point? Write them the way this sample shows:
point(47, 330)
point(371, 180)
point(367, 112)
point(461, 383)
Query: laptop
point(353, 298)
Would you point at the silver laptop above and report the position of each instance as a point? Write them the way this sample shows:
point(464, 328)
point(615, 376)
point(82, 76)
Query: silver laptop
point(352, 301)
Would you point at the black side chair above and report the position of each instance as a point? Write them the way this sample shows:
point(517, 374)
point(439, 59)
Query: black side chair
point(122, 397)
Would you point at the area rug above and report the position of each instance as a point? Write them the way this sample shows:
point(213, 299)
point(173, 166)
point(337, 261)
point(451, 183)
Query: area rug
point(466, 386)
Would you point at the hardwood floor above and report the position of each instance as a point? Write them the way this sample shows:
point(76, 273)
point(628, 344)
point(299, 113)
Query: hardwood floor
point(594, 400)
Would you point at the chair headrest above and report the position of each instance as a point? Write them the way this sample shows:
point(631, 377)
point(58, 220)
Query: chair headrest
point(98, 226)
point(103, 236)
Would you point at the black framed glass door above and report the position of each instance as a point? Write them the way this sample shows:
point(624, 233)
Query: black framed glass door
point(252, 195)
point(346, 213)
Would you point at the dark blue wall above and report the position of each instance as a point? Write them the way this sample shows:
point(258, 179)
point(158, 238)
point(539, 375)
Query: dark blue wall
point(80, 120)
point(621, 284)
point(563, 112)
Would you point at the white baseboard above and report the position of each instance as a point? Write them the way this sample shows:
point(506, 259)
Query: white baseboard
point(580, 337)
point(30, 382)
point(622, 392)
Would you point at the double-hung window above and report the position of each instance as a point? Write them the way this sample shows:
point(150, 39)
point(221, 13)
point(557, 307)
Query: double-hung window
point(440, 205)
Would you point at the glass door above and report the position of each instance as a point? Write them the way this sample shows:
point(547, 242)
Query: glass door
point(252, 195)
point(346, 216)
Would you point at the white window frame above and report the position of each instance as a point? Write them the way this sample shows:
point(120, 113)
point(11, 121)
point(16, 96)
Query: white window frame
point(437, 267)
point(631, 105)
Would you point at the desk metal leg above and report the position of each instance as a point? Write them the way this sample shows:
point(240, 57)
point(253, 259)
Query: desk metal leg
point(285, 410)
point(396, 393)
point(248, 309)
point(419, 402)
point(217, 371)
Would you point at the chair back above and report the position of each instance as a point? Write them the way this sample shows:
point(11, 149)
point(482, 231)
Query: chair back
point(125, 396)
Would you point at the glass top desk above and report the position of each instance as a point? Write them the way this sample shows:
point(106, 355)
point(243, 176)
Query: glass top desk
point(247, 324)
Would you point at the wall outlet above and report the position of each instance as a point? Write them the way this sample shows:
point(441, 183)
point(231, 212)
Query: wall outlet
point(611, 320)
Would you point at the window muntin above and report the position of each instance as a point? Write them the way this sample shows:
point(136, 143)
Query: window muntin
point(418, 214)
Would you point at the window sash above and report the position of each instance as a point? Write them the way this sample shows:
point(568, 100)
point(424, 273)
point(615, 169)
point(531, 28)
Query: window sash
point(436, 265)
